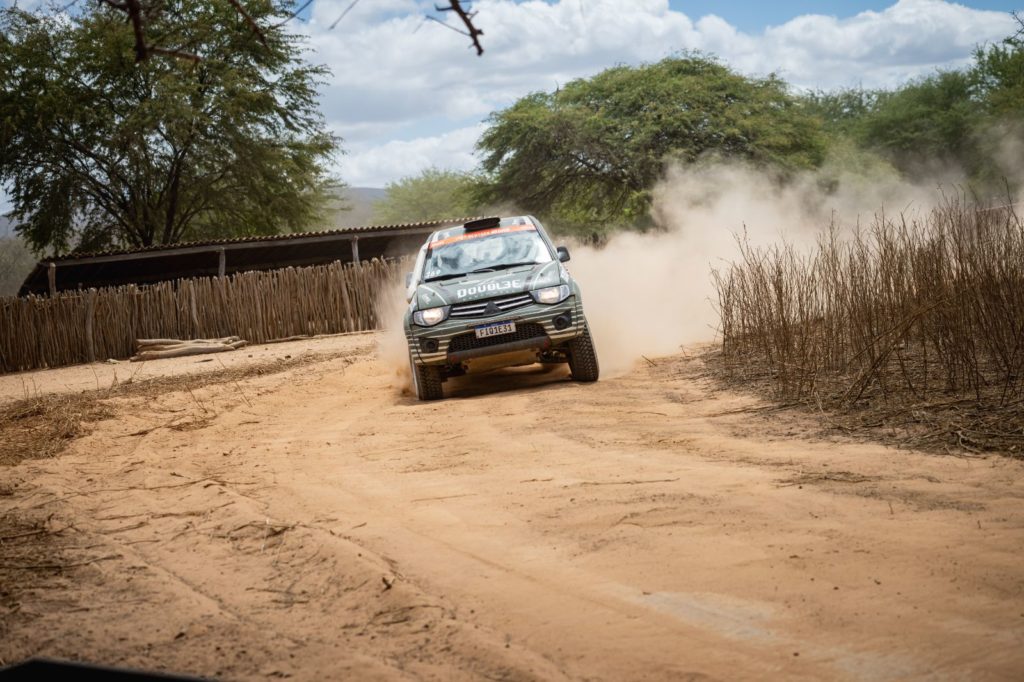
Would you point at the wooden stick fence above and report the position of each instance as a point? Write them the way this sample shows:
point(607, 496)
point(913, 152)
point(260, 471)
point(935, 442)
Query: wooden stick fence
point(84, 326)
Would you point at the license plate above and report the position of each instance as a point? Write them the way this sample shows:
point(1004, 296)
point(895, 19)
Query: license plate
point(496, 329)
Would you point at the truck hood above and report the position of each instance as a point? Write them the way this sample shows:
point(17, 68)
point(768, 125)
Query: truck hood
point(488, 285)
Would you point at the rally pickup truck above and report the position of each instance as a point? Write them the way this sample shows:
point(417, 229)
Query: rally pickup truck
point(493, 293)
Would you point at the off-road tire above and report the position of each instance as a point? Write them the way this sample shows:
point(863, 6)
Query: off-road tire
point(426, 380)
point(583, 358)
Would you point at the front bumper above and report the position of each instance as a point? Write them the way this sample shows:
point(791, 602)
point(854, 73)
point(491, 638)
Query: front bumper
point(455, 338)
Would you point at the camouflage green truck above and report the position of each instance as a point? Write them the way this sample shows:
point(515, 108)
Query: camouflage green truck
point(493, 293)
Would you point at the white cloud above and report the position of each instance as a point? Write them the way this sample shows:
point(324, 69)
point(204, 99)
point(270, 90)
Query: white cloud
point(909, 39)
point(408, 93)
point(376, 165)
point(393, 71)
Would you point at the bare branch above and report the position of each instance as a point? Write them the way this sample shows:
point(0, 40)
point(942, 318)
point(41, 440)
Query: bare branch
point(179, 54)
point(249, 20)
point(467, 18)
point(347, 10)
point(295, 13)
point(134, 10)
point(447, 26)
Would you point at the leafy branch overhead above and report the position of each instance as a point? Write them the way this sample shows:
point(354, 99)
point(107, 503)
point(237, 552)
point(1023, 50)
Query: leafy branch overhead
point(140, 14)
point(101, 146)
point(137, 16)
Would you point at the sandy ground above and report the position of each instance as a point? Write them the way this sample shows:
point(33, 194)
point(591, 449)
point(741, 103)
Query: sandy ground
point(318, 523)
point(102, 375)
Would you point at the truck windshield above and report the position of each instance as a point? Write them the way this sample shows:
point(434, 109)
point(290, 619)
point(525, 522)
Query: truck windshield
point(484, 251)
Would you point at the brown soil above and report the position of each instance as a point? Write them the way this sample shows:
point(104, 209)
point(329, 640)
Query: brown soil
point(318, 523)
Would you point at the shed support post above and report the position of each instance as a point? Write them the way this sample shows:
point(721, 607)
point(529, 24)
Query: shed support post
point(355, 250)
point(222, 261)
point(51, 275)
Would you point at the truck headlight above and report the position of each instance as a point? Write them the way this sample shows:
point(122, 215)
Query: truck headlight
point(430, 316)
point(551, 295)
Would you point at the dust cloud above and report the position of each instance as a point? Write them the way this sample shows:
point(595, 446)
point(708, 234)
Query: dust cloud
point(392, 348)
point(650, 294)
point(1007, 141)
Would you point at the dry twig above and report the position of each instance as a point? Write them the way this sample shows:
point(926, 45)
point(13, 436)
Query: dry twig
point(467, 17)
point(55, 566)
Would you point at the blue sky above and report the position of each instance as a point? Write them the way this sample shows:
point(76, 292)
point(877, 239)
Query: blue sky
point(755, 16)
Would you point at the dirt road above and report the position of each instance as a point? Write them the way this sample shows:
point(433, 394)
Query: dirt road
point(317, 523)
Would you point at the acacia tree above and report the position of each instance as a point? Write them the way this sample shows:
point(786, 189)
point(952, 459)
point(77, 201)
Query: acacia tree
point(925, 121)
point(101, 149)
point(999, 73)
point(591, 151)
point(434, 194)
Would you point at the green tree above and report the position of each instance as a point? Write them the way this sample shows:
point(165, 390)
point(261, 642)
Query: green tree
point(842, 111)
point(928, 120)
point(434, 194)
point(999, 72)
point(101, 151)
point(589, 153)
point(961, 118)
point(999, 136)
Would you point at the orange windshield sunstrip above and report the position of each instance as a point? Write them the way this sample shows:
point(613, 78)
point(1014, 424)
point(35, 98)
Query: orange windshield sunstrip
point(480, 233)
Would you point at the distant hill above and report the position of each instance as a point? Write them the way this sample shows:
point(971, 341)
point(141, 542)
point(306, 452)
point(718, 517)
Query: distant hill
point(6, 227)
point(16, 261)
point(359, 202)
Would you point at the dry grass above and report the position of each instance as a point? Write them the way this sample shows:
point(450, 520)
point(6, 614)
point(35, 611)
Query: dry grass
point(915, 325)
point(43, 426)
point(39, 554)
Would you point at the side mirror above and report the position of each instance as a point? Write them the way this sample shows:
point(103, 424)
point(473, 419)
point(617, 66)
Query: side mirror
point(563, 254)
point(408, 287)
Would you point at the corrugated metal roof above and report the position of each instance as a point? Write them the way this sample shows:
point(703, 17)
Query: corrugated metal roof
point(167, 262)
point(362, 229)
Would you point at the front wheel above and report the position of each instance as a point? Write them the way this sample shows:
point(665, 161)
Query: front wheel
point(426, 380)
point(583, 358)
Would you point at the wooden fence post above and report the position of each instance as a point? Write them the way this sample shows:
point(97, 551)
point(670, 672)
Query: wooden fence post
point(90, 314)
point(192, 308)
point(51, 275)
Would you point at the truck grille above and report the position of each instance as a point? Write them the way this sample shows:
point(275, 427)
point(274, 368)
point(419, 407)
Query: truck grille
point(485, 308)
point(523, 332)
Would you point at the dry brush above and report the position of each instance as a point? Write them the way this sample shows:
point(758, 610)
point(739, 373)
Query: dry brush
point(913, 321)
